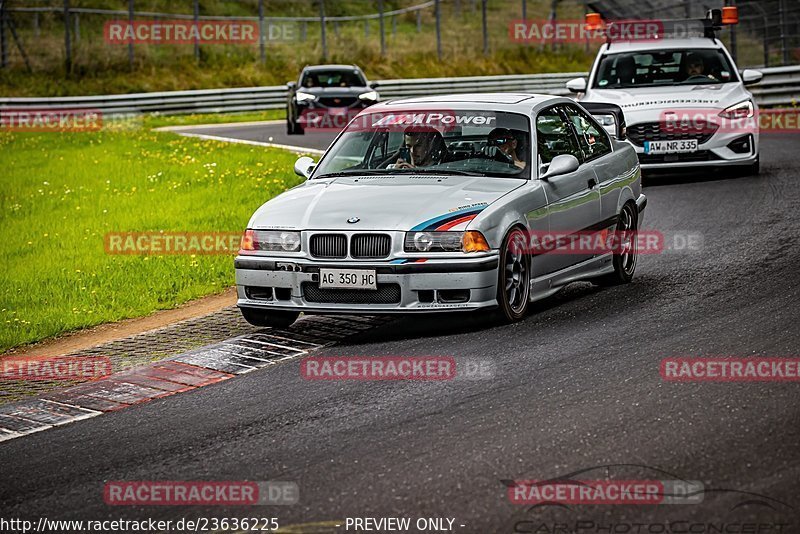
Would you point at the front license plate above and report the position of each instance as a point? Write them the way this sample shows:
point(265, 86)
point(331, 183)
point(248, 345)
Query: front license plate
point(338, 111)
point(678, 146)
point(347, 279)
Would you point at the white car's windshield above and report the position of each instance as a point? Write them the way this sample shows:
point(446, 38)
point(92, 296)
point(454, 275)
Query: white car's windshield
point(467, 142)
point(663, 67)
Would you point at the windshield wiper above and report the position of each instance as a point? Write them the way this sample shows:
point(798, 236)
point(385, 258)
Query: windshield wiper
point(453, 172)
point(359, 172)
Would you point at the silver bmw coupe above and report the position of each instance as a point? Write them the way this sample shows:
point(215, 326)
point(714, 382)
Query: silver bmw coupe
point(442, 204)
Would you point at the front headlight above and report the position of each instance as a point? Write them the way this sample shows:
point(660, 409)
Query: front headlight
point(369, 95)
point(742, 110)
point(270, 241)
point(300, 96)
point(609, 123)
point(471, 241)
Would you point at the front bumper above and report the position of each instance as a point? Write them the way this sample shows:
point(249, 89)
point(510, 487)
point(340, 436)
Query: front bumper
point(715, 152)
point(433, 285)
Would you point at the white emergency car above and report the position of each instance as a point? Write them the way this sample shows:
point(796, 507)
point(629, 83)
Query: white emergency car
point(684, 100)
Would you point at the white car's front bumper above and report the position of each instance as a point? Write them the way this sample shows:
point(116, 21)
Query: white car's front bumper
point(434, 285)
point(717, 151)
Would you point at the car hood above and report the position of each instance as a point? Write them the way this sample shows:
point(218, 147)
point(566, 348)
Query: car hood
point(409, 202)
point(646, 103)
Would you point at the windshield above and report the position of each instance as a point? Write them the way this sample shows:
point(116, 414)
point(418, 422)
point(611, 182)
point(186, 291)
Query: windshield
point(663, 67)
point(333, 78)
point(478, 143)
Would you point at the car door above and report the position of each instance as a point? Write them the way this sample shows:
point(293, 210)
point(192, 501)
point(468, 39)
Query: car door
point(573, 199)
point(611, 172)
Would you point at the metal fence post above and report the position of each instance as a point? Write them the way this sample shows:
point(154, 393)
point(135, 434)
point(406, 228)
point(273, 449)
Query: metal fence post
point(197, 30)
point(485, 28)
point(3, 44)
point(419, 20)
point(130, 45)
point(304, 31)
point(77, 24)
point(262, 52)
point(322, 27)
point(366, 27)
point(67, 40)
point(36, 24)
point(383, 28)
point(525, 9)
point(437, 9)
point(782, 19)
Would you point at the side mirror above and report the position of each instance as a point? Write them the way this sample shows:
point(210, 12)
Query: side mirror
point(374, 85)
point(291, 85)
point(304, 167)
point(751, 76)
point(562, 164)
point(577, 85)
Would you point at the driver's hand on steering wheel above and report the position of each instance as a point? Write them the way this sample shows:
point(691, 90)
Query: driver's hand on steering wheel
point(401, 164)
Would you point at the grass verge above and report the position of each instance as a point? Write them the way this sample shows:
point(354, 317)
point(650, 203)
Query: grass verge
point(62, 193)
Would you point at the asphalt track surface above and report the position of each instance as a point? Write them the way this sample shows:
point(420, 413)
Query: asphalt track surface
point(576, 386)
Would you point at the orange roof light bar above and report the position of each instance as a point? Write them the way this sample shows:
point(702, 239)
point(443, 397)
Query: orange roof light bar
point(730, 15)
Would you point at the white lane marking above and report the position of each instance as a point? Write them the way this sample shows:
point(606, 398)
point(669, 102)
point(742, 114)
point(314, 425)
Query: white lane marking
point(88, 413)
point(179, 128)
point(291, 148)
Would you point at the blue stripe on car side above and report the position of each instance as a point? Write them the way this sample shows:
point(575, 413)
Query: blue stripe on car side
point(436, 221)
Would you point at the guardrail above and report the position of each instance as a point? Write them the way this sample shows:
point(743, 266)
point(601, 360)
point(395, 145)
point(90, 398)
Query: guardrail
point(780, 86)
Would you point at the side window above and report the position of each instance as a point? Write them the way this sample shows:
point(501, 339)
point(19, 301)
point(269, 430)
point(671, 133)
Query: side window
point(594, 141)
point(554, 136)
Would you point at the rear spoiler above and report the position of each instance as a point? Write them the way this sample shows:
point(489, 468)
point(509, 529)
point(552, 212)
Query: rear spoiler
point(601, 108)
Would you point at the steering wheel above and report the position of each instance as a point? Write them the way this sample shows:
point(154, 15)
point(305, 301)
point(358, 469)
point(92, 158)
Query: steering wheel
point(698, 77)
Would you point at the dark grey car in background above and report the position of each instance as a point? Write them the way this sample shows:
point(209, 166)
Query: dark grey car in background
point(327, 95)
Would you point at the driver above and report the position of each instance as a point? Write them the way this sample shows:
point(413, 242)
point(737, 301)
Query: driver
point(695, 66)
point(425, 147)
point(503, 141)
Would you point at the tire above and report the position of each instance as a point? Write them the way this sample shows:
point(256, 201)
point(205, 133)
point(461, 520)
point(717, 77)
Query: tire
point(514, 276)
point(624, 263)
point(754, 169)
point(293, 128)
point(276, 319)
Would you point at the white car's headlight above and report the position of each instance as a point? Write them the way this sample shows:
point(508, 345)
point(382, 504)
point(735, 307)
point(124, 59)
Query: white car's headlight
point(608, 122)
point(300, 96)
point(742, 110)
point(471, 241)
point(369, 95)
point(270, 241)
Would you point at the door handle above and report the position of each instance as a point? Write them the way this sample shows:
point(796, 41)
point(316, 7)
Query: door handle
point(591, 182)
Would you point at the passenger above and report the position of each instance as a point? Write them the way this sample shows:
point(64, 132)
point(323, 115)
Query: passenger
point(503, 141)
